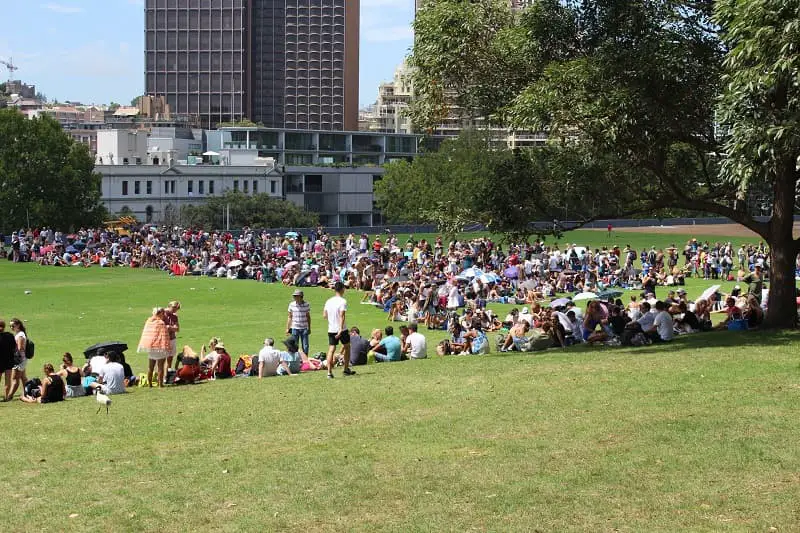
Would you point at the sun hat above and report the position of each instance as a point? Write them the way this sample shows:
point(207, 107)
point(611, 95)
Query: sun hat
point(219, 345)
point(298, 292)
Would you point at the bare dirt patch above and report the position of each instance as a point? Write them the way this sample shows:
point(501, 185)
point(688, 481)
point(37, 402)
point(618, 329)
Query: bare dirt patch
point(721, 230)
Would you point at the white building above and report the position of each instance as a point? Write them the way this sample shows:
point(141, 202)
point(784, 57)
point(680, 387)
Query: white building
point(121, 147)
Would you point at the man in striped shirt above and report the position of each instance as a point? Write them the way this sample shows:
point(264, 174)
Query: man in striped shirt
point(298, 321)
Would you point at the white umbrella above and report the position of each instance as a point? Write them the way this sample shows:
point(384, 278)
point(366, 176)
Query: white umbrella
point(709, 291)
point(210, 153)
point(584, 296)
point(472, 273)
point(235, 263)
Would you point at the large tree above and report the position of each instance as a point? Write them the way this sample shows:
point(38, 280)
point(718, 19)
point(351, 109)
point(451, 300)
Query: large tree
point(239, 209)
point(628, 93)
point(46, 178)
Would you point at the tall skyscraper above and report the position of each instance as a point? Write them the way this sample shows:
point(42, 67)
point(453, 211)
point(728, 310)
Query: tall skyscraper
point(282, 63)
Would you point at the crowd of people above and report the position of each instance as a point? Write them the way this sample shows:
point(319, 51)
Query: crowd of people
point(422, 284)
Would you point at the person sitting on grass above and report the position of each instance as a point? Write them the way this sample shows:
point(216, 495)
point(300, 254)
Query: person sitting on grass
point(389, 348)
point(291, 359)
point(517, 337)
point(188, 367)
point(753, 312)
point(111, 378)
point(594, 317)
point(663, 326)
point(72, 376)
point(731, 311)
point(268, 359)
point(687, 321)
point(221, 368)
point(359, 347)
point(52, 388)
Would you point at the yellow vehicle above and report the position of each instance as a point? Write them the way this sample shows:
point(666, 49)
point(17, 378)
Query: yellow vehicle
point(122, 226)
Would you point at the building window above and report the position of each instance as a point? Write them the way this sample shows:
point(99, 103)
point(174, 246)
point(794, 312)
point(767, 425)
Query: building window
point(235, 185)
point(148, 213)
point(211, 187)
point(149, 187)
point(124, 188)
point(246, 186)
point(314, 183)
point(166, 187)
point(272, 187)
point(255, 187)
point(190, 186)
point(172, 187)
point(137, 189)
point(201, 187)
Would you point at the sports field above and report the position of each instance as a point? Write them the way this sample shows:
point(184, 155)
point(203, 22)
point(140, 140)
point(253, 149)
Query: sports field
point(697, 435)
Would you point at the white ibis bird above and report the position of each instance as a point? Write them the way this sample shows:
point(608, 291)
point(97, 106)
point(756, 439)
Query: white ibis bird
point(102, 399)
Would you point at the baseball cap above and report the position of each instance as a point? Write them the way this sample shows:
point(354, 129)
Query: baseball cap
point(297, 293)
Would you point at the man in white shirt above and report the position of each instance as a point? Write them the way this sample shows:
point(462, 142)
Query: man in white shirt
point(111, 377)
point(647, 318)
point(418, 346)
point(662, 329)
point(268, 359)
point(334, 312)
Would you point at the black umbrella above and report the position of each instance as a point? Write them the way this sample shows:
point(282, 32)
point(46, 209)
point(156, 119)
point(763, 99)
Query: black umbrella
point(102, 347)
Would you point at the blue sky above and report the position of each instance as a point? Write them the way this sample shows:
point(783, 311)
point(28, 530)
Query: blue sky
point(92, 50)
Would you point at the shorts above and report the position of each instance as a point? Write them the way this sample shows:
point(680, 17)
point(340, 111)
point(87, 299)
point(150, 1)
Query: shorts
point(20, 367)
point(344, 338)
point(173, 347)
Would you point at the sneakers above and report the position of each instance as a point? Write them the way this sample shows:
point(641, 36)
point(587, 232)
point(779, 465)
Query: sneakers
point(349, 372)
point(330, 376)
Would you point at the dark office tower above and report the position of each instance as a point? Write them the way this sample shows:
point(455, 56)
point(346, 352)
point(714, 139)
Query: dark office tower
point(281, 63)
point(304, 64)
point(195, 54)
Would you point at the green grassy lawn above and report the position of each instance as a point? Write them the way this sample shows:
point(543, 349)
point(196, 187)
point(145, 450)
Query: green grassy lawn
point(697, 435)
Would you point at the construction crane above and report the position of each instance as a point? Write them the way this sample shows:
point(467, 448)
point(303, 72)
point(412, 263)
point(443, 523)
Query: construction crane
point(10, 66)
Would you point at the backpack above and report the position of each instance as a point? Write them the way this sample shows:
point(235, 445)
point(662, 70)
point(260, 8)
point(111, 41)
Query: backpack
point(30, 349)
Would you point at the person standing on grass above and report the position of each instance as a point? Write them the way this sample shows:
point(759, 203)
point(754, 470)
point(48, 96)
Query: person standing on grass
point(298, 321)
point(755, 282)
point(334, 312)
point(155, 343)
point(7, 348)
point(173, 327)
point(20, 360)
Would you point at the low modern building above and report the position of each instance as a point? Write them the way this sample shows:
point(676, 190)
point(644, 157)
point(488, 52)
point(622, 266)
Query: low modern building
point(330, 173)
point(341, 196)
point(310, 147)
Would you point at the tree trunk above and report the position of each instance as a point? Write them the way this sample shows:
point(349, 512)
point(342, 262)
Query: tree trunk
point(782, 303)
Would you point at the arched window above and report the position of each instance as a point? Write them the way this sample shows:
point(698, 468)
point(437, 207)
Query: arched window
point(148, 213)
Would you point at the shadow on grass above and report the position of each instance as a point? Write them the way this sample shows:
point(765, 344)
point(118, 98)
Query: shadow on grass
point(713, 339)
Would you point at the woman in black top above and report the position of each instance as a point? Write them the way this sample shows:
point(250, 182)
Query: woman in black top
point(73, 377)
point(7, 348)
point(52, 389)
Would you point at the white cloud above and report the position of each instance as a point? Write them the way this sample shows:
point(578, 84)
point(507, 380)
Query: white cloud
point(60, 8)
point(392, 33)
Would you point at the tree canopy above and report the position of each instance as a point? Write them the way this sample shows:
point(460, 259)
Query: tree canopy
point(46, 178)
point(632, 96)
point(257, 211)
